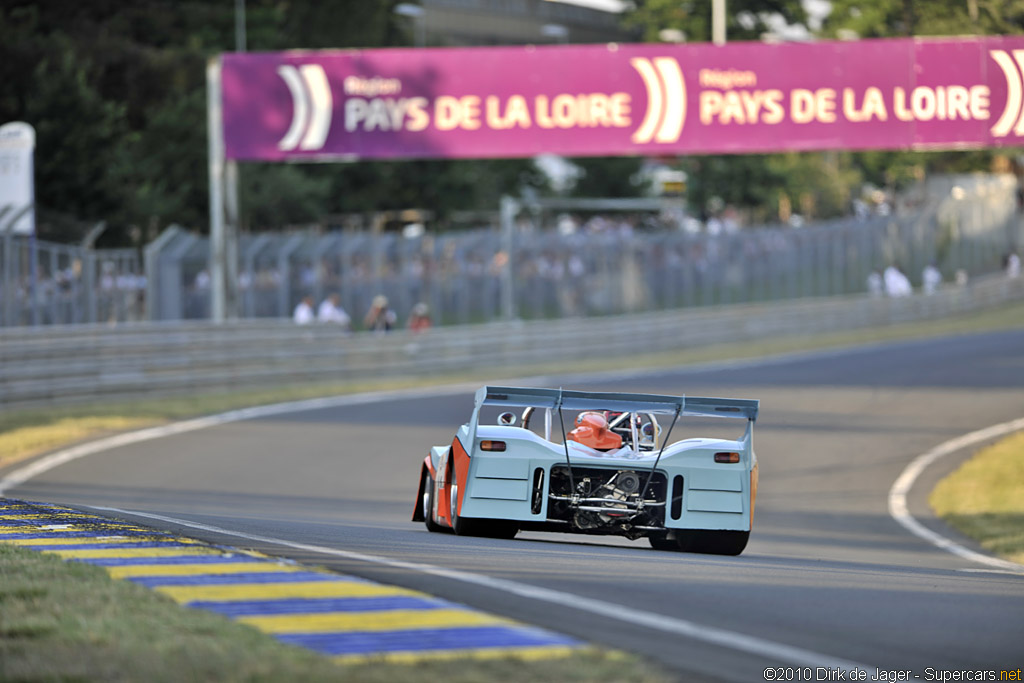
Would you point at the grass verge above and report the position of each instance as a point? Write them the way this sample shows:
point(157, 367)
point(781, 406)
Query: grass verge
point(984, 498)
point(69, 621)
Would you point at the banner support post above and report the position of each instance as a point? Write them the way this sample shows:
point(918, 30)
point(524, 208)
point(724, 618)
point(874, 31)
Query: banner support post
point(509, 209)
point(232, 221)
point(718, 22)
point(215, 133)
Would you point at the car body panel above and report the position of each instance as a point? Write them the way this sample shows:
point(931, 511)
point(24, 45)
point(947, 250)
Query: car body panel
point(515, 483)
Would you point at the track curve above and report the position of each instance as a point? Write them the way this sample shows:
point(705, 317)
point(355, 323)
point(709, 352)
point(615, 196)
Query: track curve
point(828, 576)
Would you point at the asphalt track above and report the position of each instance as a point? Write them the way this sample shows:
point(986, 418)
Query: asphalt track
point(829, 577)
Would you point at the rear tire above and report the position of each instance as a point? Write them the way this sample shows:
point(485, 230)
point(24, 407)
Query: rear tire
point(661, 541)
point(487, 528)
point(461, 527)
point(712, 542)
point(498, 528)
point(428, 505)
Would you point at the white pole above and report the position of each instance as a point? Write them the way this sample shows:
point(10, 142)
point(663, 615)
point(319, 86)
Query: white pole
point(239, 25)
point(232, 220)
point(233, 216)
point(215, 132)
point(509, 209)
point(718, 22)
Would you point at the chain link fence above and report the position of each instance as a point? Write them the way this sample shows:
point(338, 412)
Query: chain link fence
point(545, 264)
point(45, 283)
point(605, 263)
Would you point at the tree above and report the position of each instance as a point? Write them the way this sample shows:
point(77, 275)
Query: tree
point(889, 18)
point(274, 196)
point(609, 177)
point(745, 19)
point(77, 131)
point(117, 93)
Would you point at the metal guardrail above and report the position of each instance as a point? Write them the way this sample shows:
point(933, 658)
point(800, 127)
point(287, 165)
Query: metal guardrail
point(68, 364)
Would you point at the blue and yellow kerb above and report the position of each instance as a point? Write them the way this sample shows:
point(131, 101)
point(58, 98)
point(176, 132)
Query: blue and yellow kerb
point(347, 618)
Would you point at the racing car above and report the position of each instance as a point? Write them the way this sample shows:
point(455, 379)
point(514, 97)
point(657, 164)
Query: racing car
point(616, 471)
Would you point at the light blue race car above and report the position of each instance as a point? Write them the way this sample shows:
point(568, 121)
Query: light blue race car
point(614, 472)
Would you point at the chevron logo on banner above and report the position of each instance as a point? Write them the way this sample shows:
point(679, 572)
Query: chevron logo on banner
point(313, 107)
point(1013, 115)
point(666, 100)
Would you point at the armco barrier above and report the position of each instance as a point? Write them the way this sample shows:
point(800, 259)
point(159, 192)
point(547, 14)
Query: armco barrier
point(59, 365)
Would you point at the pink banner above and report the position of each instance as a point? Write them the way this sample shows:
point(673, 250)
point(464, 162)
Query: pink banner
point(589, 100)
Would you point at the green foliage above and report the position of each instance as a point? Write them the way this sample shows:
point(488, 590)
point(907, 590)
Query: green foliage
point(117, 94)
point(888, 18)
point(745, 19)
point(816, 184)
point(76, 128)
point(609, 177)
point(890, 169)
point(168, 187)
point(442, 186)
point(275, 196)
point(743, 181)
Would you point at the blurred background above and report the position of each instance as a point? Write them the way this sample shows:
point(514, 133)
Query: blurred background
point(117, 95)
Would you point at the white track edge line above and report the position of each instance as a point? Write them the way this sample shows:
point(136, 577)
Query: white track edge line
point(682, 627)
point(899, 511)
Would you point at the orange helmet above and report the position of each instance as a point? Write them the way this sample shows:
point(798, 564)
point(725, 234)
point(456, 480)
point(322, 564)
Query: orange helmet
point(592, 430)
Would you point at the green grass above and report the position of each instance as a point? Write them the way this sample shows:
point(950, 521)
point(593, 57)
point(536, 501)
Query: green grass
point(984, 498)
point(69, 621)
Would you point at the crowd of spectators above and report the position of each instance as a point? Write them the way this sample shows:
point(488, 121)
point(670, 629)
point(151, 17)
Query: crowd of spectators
point(584, 265)
point(116, 293)
point(561, 265)
point(380, 318)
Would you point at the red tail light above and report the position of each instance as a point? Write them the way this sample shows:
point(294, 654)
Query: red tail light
point(727, 458)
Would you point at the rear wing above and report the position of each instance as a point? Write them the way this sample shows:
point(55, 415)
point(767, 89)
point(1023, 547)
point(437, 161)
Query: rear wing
point(522, 397)
point(561, 399)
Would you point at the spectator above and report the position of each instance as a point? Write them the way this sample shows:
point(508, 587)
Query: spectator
point(330, 311)
point(419, 319)
point(1011, 264)
point(896, 283)
point(876, 286)
point(931, 278)
point(202, 281)
point(303, 314)
point(380, 318)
